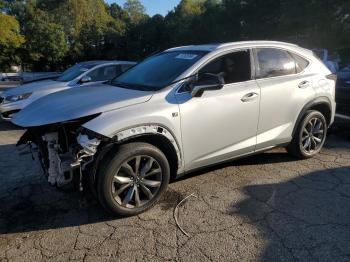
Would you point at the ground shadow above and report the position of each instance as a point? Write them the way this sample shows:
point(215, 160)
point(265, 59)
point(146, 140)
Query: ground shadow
point(29, 203)
point(306, 218)
point(7, 126)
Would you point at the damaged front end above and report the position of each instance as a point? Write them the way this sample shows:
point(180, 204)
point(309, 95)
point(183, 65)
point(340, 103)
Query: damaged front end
point(64, 150)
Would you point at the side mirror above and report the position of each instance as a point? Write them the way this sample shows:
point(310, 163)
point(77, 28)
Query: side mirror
point(85, 79)
point(208, 82)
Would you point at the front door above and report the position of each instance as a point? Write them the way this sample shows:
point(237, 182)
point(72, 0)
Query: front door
point(221, 124)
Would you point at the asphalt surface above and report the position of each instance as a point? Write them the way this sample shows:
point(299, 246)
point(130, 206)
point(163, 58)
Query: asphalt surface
point(268, 207)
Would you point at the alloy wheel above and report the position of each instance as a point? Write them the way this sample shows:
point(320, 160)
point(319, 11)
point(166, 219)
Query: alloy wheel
point(313, 135)
point(137, 181)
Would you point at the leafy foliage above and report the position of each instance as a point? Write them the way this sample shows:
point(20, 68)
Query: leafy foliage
point(60, 33)
point(135, 10)
point(10, 40)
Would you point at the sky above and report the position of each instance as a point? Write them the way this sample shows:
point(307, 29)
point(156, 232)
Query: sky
point(153, 6)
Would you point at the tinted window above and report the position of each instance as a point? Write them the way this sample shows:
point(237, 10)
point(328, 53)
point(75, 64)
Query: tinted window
point(300, 63)
point(105, 73)
point(274, 62)
point(73, 72)
point(234, 67)
point(158, 71)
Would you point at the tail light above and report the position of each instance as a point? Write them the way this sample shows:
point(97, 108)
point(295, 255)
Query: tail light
point(332, 77)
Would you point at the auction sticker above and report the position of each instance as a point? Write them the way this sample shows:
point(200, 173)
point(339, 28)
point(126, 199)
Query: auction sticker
point(186, 56)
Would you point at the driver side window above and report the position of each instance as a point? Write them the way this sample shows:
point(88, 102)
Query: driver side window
point(105, 73)
point(234, 68)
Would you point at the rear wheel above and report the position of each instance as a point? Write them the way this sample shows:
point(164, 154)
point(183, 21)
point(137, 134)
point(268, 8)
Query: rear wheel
point(134, 179)
point(310, 136)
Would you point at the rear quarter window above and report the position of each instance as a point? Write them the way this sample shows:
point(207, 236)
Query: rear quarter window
point(300, 63)
point(274, 62)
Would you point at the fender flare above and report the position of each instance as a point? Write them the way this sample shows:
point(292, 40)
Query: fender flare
point(323, 100)
point(150, 129)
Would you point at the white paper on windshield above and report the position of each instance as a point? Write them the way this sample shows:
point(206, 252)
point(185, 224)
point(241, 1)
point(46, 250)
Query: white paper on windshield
point(186, 56)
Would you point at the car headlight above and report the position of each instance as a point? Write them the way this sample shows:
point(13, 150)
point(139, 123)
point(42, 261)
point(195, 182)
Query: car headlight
point(15, 98)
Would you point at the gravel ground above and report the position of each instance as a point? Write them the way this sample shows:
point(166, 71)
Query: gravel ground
point(268, 207)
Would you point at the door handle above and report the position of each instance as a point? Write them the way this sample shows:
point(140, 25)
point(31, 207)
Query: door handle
point(249, 97)
point(304, 84)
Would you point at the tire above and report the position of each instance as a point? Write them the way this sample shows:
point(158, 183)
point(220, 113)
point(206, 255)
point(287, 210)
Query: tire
point(122, 187)
point(310, 136)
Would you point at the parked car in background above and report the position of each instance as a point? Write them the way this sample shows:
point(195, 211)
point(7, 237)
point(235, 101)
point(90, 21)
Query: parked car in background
point(342, 94)
point(332, 62)
point(15, 99)
point(177, 111)
point(28, 77)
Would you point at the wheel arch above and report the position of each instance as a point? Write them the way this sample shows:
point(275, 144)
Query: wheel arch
point(321, 104)
point(154, 134)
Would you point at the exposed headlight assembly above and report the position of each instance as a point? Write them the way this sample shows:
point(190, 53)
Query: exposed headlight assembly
point(15, 98)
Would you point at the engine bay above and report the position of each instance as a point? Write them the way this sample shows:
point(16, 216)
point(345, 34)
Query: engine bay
point(64, 152)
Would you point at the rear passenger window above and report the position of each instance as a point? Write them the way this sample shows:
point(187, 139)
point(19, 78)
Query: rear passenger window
point(274, 62)
point(300, 63)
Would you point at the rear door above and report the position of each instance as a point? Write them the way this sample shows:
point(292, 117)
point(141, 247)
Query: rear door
point(285, 89)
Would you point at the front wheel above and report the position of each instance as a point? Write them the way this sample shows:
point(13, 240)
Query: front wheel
point(310, 135)
point(134, 179)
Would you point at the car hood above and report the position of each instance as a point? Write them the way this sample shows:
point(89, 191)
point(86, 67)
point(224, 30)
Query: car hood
point(78, 102)
point(35, 86)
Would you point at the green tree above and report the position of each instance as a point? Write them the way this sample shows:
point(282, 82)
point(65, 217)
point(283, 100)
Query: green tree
point(136, 11)
point(68, 31)
point(10, 36)
point(86, 24)
point(10, 40)
point(46, 42)
point(117, 12)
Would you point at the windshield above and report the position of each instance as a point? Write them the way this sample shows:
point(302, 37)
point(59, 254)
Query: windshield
point(73, 72)
point(158, 71)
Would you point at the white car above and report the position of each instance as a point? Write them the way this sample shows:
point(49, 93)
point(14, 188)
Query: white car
point(180, 110)
point(15, 99)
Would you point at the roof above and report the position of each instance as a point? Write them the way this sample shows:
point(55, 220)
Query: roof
point(217, 46)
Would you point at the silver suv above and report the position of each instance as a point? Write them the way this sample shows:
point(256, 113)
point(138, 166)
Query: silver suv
point(180, 110)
